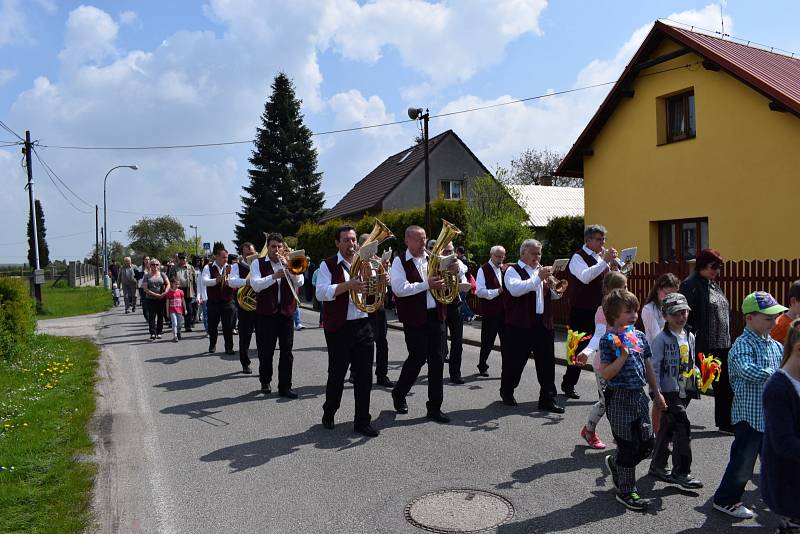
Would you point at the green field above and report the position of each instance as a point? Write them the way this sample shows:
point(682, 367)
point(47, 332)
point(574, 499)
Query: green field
point(68, 301)
point(46, 401)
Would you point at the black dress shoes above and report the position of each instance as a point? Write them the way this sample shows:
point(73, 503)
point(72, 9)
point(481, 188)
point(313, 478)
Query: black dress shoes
point(570, 394)
point(438, 416)
point(385, 382)
point(327, 422)
point(212, 349)
point(551, 407)
point(288, 393)
point(483, 373)
point(246, 370)
point(366, 430)
point(508, 400)
point(266, 389)
point(400, 405)
point(456, 380)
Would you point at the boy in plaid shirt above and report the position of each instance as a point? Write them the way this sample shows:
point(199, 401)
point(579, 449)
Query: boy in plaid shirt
point(625, 364)
point(753, 358)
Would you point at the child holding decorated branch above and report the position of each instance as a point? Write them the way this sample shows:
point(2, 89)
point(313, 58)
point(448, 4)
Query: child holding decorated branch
point(673, 363)
point(752, 360)
point(782, 324)
point(780, 463)
point(612, 280)
point(625, 364)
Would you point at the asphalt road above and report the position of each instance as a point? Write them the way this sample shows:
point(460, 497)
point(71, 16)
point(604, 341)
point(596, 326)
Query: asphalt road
point(188, 444)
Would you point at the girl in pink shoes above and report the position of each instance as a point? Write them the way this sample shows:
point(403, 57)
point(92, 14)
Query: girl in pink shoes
point(612, 280)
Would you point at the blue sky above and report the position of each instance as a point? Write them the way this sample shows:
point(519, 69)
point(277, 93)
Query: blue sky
point(127, 73)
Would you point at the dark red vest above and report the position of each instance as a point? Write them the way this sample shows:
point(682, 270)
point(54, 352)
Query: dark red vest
point(267, 300)
point(216, 293)
point(584, 296)
point(412, 311)
point(334, 312)
point(493, 307)
point(521, 311)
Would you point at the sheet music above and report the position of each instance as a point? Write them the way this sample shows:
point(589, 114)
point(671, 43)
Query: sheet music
point(560, 264)
point(628, 255)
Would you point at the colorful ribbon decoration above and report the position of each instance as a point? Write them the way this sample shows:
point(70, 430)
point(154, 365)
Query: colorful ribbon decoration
point(710, 369)
point(574, 338)
point(628, 338)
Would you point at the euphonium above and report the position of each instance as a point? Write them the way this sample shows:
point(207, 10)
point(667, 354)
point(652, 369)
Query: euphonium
point(449, 292)
point(370, 270)
point(246, 295)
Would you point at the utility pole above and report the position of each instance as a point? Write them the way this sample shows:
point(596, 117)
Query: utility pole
point(96, 246)
point(37, 277)
point(428, 229)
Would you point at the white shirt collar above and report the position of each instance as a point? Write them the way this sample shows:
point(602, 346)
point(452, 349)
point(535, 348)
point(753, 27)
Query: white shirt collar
point(590, 252)
point(341, 259)
point(410, 257)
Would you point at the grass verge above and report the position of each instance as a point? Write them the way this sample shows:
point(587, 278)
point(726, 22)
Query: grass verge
point(46, 401)
point(69, 301)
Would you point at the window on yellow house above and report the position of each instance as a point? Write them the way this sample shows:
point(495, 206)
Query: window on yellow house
point(680, 116)
point(451, 189)
point(681, 240)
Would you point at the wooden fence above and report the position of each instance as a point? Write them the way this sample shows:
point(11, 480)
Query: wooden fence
point(737, 280)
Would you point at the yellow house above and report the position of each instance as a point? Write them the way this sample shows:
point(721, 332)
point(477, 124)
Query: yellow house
point(697, 145)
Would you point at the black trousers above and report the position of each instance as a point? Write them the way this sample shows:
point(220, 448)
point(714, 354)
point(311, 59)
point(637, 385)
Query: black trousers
point(352, 345)
point(424, 344)
point(271, 330)
point(142, 299)
point(247, 325)
point(676, 429)
point(190, 305)
point(580, 320)
point(379, 326)
point(220, 310)
point(455, 324)
point(521, 342)
point(491, 327)
point(154, 312)
point(723, 394)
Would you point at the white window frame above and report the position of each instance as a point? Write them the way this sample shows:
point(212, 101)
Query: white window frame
point(446, 187)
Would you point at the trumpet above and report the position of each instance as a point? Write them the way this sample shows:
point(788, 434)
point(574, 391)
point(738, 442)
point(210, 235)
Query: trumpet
point(616, 264)
point(226, 272)
point(556, 284)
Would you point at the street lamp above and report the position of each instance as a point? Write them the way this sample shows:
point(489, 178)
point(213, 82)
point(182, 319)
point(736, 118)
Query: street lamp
point(195, 238)
point(105, 222)
point(417, 114)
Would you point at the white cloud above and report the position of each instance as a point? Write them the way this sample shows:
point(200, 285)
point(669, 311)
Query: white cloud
point(439, 40)
point(7, 75)
point(90, 36)
point(129, 18)
point(13, 24)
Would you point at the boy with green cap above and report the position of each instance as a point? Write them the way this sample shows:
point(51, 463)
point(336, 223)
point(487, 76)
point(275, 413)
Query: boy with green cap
point(753, 358)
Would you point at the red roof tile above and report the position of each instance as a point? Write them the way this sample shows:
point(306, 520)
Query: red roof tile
point(776, 76)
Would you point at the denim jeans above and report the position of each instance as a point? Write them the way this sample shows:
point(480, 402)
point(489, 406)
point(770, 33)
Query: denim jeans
point(745, 449)
point(205, 316)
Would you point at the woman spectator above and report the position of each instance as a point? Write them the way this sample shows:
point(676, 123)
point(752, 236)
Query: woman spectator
point(155, 285)
point(710, 322)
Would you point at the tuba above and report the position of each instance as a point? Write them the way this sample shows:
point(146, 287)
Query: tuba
point(246, 297)
point(449, 292)
point(370, 270)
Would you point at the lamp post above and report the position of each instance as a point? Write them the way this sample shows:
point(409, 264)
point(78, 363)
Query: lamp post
point(195, 238)
point(105, 222)
point(417, 114)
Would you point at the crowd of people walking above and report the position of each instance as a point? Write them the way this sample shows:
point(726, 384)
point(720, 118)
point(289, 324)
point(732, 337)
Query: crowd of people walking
point(686, 326)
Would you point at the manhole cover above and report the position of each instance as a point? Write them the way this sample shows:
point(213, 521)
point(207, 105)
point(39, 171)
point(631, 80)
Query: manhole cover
point(459, 510)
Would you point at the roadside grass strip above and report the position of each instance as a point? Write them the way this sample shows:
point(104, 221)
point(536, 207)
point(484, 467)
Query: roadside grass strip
point(46, 401)
point(70, 301)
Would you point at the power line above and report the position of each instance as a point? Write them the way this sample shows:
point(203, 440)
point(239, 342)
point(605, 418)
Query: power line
point(12, 132)
point(48, 167)
point(47, 172)
point(48, 238)
point(175, 214)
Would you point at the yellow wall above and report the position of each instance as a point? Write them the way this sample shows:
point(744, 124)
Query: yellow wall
point(741, 170)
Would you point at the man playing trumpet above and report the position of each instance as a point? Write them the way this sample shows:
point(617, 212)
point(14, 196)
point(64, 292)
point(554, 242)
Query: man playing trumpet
point(585, 273)
point(529, 326)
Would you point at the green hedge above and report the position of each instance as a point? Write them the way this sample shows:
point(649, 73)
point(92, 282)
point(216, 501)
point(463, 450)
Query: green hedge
point(318, 239)
point(17, 316)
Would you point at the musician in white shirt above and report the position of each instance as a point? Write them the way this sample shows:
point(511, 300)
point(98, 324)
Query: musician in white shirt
point(489, 289)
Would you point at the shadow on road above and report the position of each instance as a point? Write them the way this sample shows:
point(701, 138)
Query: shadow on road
point(192, 383)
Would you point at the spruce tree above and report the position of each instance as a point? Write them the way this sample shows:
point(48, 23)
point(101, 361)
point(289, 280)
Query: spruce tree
point(284, 188)
point(41, 232)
